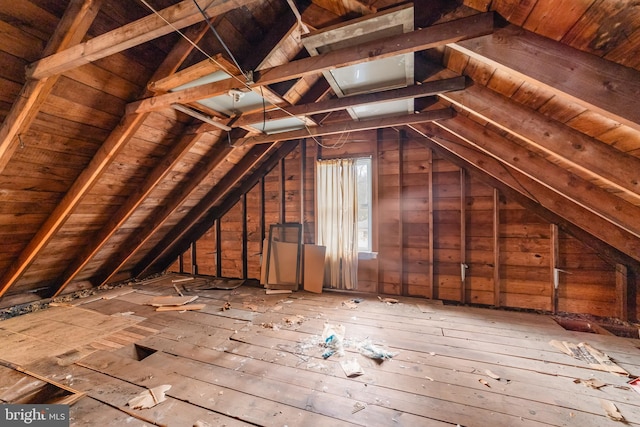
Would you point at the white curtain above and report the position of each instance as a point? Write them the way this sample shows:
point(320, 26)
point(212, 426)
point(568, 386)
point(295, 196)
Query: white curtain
point(337, 216)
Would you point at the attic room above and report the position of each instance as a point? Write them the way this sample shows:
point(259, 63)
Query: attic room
point(320, 212)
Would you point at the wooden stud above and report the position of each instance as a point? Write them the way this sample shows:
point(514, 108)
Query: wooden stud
point(245, 252)
point(554, 257)
point(431, 253)
point(263, 226)
point(194, 258)
point(404, 285)
point(181, 263)
point(496, 247)
point(303, 182)
point(218, 247)
point(463, 236)
point(282, 192)
point(379, 141)
point(622, 292)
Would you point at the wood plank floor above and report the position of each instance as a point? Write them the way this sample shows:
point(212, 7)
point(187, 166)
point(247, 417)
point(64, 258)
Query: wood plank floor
point(248, 366)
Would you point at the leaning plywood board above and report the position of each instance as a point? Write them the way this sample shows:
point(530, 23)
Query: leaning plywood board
point(313, 276)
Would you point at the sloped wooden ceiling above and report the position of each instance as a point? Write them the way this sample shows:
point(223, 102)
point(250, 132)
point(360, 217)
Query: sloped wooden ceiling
point(99, 176)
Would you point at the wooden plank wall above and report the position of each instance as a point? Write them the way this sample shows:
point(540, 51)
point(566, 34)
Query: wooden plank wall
point(470, 222)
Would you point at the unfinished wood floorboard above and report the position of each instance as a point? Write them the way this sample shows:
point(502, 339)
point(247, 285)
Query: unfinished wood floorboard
point(260, 361)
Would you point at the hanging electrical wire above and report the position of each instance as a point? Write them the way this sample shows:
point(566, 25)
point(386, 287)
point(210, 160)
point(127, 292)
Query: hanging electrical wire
point(247, 82)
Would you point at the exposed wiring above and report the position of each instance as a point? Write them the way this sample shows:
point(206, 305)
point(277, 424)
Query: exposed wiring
point(224, 45)
point(246, 83)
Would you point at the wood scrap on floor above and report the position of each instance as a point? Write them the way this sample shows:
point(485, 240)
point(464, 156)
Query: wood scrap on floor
point(171, 303)
point(611, 410)
point(150, 397)
point(594, 357)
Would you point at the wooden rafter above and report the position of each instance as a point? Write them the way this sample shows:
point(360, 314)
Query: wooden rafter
point(198, 212)
point(586, 153)
point(426, 38)
point(350, 126)
point(72, 28)
point(215, 212)
point(125, 130)
point(219, 153)
point(596, 199)
point(143, 30)
point(600, 85)
point(425, 89)
point(97, 241)
point(530, 189)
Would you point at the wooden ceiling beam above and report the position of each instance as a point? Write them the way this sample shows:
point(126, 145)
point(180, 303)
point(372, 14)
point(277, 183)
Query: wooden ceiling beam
point(192, 230)
point(619, 169)
point(125, 130)
point(143, 30)
point(596, 199)
point(72, 28)
point(198, 212)
point(571, 211)
point(135, 199)
point(415, 91)
point(350, 126)
point(605, 87)
point(437, 35)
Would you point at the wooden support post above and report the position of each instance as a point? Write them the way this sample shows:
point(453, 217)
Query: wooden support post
point(432, 289)
point(282, 192)
point(245, 254)
point(496, 247)
point(181, 263)
point(463, 236)
point(303, 181)
point(194, 258)
point(378, 146)
point(218, 248)
point(555, 272)
point(622, 292)
point(404, 285)
point(262, 219)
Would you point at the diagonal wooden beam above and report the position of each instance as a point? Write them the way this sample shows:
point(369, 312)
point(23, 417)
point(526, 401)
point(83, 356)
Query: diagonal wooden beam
point(595, 83)
point(217, 155)
point(191, 231)
point(586, 153)
point(197, 213)
point(350, 126)
point(532, 190)
point(143, 30)
point(70, 31)
point(97, 241)
point(437, 35)
point(596, 199)
point(125, 130)
point(520, 188)
point(415, 91)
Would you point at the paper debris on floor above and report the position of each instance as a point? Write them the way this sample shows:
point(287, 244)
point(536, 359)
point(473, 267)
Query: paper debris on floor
point(611, 410)
point(388, 300)
point(350, 304)
point(226, 306)
point(293, 320)
point(484, 382)
point(592, 356)
point(150, 397)
point(358, 406)
point(351, 368)
point(169, 300)
point(492, 375)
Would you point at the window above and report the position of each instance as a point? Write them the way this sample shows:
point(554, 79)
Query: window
point(363, 182)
